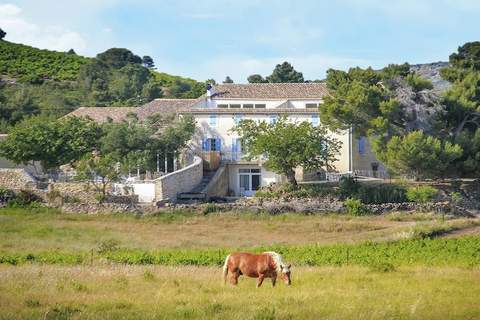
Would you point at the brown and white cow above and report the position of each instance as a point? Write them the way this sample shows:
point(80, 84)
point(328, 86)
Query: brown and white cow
point(261, 266)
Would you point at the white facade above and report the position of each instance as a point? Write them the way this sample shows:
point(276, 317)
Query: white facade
point(216, 116)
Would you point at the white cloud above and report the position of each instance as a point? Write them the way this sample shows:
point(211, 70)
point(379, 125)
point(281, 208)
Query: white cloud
point(19, 29)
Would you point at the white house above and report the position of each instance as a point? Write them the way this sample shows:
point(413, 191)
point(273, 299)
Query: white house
point(217, 112)
point(222, 106)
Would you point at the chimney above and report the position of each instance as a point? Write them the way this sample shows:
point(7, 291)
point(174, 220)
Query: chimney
point(210, 90)
point(210, 93)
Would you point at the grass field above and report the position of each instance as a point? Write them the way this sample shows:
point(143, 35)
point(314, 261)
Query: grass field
point(398, 274)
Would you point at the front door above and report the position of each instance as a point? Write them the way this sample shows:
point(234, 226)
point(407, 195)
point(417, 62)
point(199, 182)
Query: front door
point(249, 181)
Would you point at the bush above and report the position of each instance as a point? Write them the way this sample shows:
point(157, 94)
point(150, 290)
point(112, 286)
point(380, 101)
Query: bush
point(355, 207)
point(384, 193)
point(6, 195)
point(210, 208)
point(108, 246)
point(348, 187)
point(421, 194)
point(25, 198)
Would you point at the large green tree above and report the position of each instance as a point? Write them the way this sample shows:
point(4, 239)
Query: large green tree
point(52, 143)
point(421, 156)
point(288, 145)
point(285, 73)
point(256, 78)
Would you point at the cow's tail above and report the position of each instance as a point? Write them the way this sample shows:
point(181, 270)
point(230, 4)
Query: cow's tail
point(225, 269)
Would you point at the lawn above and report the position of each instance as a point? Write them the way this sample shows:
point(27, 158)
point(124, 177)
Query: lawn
point(166, 266)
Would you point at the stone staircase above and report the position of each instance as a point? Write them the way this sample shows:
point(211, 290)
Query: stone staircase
point(196, 193)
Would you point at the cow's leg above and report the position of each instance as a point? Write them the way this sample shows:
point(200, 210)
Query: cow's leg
point(260, 280)
point(274, 279)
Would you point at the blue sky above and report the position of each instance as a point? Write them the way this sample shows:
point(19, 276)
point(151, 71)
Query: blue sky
point(211, 39)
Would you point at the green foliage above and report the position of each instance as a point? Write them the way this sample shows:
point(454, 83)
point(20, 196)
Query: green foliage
point(108, 246)
point(418, 83)
point(210, 208)
point(467, 57)
point(118, 58)
point(2, 34)
point(419, 155)
point(355, 207)
point(28, 64)
point(371, 194)
point(256, 78)
point(228, 80)
point(287, 191)
point(52, 143)
point(55, 83)
point(421, 194)
point(348, 187)
point(24, 199)
point(285, 73)
point(432, 252)
point(288, 145)
point(147, 62)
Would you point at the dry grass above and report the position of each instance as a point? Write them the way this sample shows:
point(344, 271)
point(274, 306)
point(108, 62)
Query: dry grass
point(25, 231)
point(127, 292)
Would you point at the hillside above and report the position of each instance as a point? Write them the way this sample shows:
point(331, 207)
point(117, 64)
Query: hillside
point(51, 83)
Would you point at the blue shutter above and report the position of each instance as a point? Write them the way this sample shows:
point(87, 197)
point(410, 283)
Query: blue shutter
point(218, 144)
point(361, 145)
point(234, 149)
point(205, 145)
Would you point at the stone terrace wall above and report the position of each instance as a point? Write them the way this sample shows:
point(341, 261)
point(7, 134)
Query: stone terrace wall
point(183, 180)
point(16, 179)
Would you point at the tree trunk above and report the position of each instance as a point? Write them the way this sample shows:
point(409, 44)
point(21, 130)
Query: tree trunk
point(291, 178)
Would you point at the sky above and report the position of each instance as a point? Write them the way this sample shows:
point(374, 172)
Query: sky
point(204, 39)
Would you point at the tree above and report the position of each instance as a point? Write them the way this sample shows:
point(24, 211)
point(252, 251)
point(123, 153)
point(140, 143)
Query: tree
point(71, 51)
point(148, 62)
point(2, 34)
point(285, 73)
point(421, 156)
point(51, 142)
point(228, 80)
point(256, 78)
point(99, 171)
point(288, 145)
point(118, 57)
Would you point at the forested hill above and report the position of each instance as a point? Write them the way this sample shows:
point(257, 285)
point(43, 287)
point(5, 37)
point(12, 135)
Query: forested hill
point(51, 83)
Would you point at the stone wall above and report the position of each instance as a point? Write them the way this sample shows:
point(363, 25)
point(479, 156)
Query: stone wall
point(183, 180)
point(79, 190)
point(218, 186)
point(16, 179)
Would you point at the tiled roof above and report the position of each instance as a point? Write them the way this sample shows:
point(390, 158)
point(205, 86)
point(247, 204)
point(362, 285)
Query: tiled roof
point(164, 106)
point(102, 114)
point(251, 111)
point(311, 90)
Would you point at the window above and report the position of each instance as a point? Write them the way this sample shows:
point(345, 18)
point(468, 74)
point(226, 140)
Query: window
point(260, 106)
point(311, 105)
point(237, 118)
point(361, 145)
point(222, 106)
point(213, 120)
point(235, 106)
point(315, 120)
point(211, 144)
point(273, 118)
point(248, 106)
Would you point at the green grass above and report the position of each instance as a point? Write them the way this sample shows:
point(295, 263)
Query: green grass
point(459, 252)
point(123, 292)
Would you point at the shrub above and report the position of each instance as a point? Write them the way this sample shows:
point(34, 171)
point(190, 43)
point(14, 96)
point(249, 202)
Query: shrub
point(108, 246)
point(53, 195)
point(25, 198)
point(210, 208)
point(348, 187)
point(355, 207)
point(421, 194)
point(6, 195)
point(384, 193)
